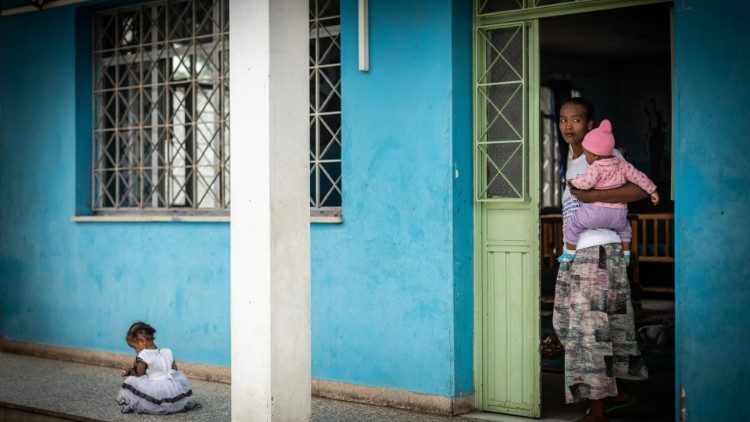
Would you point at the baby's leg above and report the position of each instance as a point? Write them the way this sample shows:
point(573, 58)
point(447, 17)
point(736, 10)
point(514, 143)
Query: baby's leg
point(618, 221)
point(621, 225)
point(626, 252)
point(585, 218)
point(569, 253)
point(588, 216)
point(572, 230)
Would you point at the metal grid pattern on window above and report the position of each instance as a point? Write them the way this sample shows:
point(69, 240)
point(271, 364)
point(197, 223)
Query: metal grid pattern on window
point(325, 107)
point(502, 142)
point(161, 108)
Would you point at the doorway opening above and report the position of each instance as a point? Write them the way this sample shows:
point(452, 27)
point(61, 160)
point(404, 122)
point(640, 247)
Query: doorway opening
point(620, 60)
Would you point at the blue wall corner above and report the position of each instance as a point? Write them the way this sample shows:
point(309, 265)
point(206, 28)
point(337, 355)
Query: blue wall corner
point(711, 202)
point(83, 111)
point(463, 200)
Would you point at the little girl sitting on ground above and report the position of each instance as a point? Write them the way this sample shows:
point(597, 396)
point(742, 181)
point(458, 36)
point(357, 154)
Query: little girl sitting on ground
point(604, 172)
point(153, 384)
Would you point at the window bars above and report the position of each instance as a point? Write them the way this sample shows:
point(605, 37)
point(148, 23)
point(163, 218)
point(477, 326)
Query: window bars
point(325, 107)
point(161, 108)
point(502, 142)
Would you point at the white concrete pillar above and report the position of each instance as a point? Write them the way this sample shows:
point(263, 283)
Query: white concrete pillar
point(270, 257)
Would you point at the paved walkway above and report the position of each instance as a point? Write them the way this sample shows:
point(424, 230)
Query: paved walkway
point(86, 393)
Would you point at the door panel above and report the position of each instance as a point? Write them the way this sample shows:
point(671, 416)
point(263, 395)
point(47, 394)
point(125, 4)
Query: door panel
point(509, 226)
point(506, 166)
point(510, 383)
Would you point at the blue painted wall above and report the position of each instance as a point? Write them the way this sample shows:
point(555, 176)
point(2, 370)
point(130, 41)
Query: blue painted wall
point(82, 284)
point(463, 191)
point(392, 285)
point(712, 176)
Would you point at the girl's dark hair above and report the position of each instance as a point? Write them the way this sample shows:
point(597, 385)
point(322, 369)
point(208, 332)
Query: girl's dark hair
point(586, 104)
point(141, 328)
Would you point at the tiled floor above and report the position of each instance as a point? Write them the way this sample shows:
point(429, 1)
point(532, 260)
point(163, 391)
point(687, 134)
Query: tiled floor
point(87, 393)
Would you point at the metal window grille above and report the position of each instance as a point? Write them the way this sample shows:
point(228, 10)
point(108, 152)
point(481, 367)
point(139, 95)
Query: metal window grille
point(502, 141)
point(161, 108)
point(325, 107)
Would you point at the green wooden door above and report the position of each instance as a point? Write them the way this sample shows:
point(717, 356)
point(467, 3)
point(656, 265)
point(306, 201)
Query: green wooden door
point(507, 218)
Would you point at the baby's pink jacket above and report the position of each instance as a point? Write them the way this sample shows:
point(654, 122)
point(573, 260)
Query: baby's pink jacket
point(609, 173)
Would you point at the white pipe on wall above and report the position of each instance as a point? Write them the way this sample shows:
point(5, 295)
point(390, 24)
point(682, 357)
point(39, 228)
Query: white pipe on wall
point(364, 37)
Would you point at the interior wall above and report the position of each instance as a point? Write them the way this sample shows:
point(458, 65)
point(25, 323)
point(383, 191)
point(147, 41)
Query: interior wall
point(616, 87)
point(640, 80)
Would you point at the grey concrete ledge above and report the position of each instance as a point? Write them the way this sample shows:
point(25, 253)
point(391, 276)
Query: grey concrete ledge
point(400, 399)
point(112, 360)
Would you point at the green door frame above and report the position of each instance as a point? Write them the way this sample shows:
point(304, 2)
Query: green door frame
point(529, 15)
point(507, 220)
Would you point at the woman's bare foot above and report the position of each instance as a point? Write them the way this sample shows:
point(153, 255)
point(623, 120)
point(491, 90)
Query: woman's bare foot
point(622, 396)
point(592, 418)
point(596, 412)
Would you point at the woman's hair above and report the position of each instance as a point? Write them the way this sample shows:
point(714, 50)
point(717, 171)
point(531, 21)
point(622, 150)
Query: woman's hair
point(586, 104)
point(140, 328)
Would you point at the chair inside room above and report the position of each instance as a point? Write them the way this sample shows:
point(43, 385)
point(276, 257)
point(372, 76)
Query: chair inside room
point(652, 243)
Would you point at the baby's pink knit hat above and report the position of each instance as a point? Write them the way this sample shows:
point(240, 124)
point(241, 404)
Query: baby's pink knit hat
point(600, 140)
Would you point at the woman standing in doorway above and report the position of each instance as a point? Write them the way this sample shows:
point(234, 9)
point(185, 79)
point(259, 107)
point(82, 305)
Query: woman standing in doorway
point(593, 315)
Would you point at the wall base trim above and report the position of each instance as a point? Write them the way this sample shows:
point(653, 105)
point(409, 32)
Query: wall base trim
point(400, 399)
point(113, 360)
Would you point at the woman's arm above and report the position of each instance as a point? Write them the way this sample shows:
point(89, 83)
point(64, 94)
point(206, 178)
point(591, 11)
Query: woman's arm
point(625, 193)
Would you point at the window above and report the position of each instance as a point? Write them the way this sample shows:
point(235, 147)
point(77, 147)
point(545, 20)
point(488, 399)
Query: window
point(161, 108)
point(325, 108)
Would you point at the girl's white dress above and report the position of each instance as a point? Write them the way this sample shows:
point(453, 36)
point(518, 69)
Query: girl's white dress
point(162, 390)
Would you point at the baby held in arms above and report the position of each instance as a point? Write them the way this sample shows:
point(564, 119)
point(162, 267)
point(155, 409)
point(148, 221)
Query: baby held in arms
point(605, 171)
